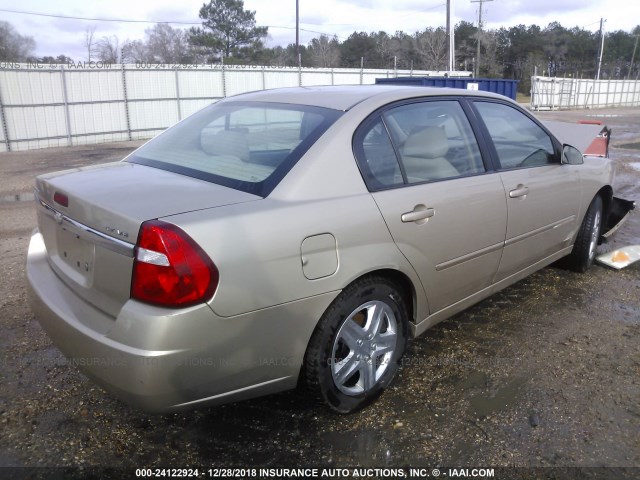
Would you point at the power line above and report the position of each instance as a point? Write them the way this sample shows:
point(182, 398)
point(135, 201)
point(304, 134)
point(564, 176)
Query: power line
point(594, 23)
point(305, 30)
point(177, 22)
point(125, 20)
point(120, 20)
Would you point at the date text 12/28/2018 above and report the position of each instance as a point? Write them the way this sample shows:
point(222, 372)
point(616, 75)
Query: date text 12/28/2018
point(258, 473)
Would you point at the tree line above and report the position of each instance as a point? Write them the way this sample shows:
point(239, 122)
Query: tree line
point(229, 34)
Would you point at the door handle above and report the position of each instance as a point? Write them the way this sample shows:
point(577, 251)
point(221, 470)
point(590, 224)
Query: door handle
point(519, 191)
point(420, 212)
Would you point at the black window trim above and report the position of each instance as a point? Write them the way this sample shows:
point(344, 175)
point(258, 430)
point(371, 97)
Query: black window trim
point(396, 151)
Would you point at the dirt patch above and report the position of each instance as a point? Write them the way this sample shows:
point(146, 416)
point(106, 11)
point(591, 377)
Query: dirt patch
point(633, 146)
point(19, 169)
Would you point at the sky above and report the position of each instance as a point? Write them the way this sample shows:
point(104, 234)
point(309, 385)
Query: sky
point(56, 36)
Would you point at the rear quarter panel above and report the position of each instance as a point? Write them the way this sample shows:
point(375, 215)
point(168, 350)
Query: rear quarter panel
point(257, 246)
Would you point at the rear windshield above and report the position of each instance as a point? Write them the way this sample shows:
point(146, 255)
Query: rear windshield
point(247, 146)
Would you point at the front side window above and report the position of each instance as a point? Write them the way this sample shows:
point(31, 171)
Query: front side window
point(518, 140)
point(248, 146)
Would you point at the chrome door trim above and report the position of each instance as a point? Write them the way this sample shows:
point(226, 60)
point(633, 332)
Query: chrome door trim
point(469, 256)
point(546, 228)
point(87, 233)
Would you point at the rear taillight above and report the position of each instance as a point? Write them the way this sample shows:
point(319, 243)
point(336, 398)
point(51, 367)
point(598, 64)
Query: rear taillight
point(170, 269)
point(61, 199)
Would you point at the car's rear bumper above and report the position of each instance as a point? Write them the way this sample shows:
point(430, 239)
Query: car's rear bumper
point(162, 360)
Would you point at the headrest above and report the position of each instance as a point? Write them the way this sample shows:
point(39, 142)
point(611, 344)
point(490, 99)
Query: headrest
point(427, 142)
point(226, 142)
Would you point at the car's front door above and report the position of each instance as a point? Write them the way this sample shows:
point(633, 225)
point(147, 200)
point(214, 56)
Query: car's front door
point(446, 213)
point(543, 195)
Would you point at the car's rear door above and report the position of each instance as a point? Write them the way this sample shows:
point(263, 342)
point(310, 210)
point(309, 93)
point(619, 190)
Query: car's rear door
point(444, 209)
point(543, 195)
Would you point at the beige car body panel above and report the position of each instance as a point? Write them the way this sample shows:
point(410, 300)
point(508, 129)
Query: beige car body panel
point(113, 199)
point(163, 359)
point(542, 221)
point(282, 259)
point(441, 248)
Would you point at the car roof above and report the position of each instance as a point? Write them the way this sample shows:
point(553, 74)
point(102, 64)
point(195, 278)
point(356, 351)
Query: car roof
point(344, 97)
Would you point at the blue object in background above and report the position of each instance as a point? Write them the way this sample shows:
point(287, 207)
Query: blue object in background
point(508, 88)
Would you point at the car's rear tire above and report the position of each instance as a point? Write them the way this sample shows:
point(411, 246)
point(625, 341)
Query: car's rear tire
point(355, 351)
point(584, 250)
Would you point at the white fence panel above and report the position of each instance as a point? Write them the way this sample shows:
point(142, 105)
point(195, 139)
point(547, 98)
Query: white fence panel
point(281, 78)
point(97, 118)
point(100, 138)
point(28, 87)
point(562, 93)
point(150, 84)
point(39, 127)
point(200, 84)
point(243, 81)
point(152, 115)
point(31, 108)
point(3, 143)
point(146, 134)
point(188, 106)
point(320, 77)
point(94, 86)
point(59, 105)
point(369, 76)
point(349, 77)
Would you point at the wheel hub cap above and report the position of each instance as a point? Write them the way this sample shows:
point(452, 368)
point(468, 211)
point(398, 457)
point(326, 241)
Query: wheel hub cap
point(364, 347)
point(593, 244)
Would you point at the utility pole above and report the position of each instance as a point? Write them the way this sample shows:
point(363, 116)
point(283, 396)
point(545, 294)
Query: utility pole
point(601, 47)
point(451, 37)
point(298, 33)
point(477, 73)
point(633, 57)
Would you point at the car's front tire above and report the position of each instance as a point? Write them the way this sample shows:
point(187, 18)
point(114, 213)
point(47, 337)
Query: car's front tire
point(355, 351)
point(584, 250)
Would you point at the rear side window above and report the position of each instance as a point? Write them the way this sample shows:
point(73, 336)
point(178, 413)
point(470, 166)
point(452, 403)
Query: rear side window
point(243, 145)
point(435, 140)
point(416, 143)
point(519, 141)
point(379, 163)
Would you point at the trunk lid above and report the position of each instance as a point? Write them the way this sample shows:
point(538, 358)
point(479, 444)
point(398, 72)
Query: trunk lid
point(90, 240)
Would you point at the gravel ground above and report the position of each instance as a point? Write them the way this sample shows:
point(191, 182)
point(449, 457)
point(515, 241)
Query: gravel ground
point(545, 373)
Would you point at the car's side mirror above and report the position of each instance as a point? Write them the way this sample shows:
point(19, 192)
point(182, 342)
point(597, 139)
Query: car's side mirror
point(571, 155)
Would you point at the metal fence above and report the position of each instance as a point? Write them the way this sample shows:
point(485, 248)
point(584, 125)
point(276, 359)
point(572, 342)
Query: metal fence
point(573, 93)
point(59, 105)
